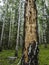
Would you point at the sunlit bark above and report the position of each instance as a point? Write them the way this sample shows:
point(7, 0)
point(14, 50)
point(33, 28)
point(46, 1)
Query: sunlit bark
point(30, 30)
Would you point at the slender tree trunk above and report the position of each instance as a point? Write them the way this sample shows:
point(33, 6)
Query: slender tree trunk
point(9, 34)
point(18, 30)
point(2, 35)
point(30, 50)
point(22, 22)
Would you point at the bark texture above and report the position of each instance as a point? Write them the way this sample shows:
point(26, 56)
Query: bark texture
point(30, 46)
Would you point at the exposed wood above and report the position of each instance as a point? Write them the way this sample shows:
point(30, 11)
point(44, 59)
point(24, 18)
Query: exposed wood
point(30, 27)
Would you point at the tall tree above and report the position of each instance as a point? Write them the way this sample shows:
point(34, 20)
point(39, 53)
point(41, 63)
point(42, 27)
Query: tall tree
point(2, 31)
point(18, 30)
point(30, 50)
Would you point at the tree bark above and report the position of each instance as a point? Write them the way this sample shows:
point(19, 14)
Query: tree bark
point(18, 30)
point(2, 35)
point(30, 50)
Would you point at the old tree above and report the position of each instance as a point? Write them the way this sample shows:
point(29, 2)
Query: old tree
point(30, 51)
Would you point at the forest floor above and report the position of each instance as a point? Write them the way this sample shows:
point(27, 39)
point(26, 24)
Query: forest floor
point(4, 57)
point(43, 56)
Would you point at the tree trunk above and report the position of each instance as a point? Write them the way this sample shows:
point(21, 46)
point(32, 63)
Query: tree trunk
point(9, 34)
point(2, 35)
point(30, 50)
point(18, 30)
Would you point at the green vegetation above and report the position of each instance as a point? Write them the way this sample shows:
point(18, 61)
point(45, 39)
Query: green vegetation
point(44, 55)
point(9, 53)
point(12, 29)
